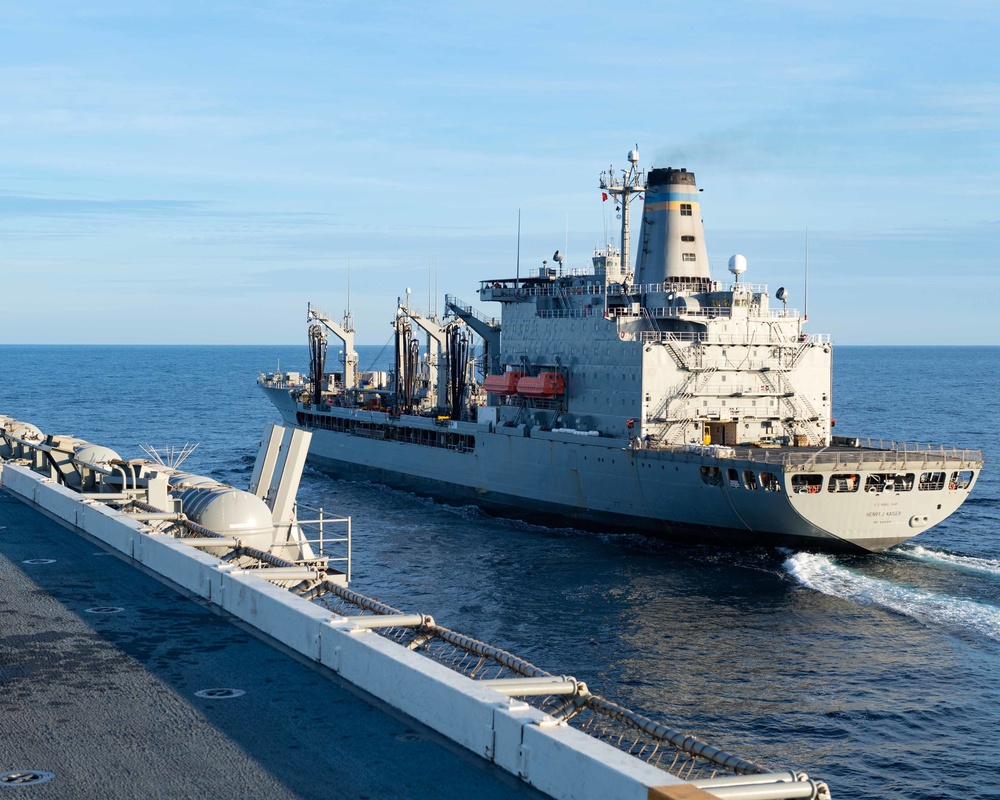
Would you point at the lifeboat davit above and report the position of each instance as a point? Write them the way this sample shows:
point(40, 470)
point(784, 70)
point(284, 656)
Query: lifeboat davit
point(545, 384)
point(504, 385)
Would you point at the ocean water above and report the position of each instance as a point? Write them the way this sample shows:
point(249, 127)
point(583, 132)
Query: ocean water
point(878, 674)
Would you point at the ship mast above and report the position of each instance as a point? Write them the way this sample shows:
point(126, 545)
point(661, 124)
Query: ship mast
point(623, 190)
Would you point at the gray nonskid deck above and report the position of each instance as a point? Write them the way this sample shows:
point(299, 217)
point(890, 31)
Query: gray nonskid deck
point(108, 701)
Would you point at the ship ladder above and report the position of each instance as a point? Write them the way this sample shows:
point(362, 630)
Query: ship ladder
point(690, 388)
point(801, 407)
point(675, 354)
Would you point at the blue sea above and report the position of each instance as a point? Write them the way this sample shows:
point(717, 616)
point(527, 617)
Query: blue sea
point(878, 674)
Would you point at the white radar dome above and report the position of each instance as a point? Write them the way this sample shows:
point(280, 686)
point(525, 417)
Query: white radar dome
point(737, 264)
point(633, 156)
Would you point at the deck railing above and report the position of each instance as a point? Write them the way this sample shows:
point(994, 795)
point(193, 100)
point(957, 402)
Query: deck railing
point(335, 548)
point(567, 700)
point(655, 337)
point(450, 300)
point(271, 381)
point(870, 452)
point(509, 286)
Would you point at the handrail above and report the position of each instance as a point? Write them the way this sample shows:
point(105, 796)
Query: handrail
point(897, 454)
point(465, 308)
point(280, 383)
point(570, 313)
point(614, 289)
point(660, 337)
point(323, 540)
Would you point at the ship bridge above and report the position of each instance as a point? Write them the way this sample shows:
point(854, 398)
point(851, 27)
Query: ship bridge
point(666, 356)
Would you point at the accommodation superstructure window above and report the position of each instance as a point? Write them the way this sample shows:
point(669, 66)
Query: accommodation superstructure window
point(687, 257)
point(685, 209)
point(687, 238)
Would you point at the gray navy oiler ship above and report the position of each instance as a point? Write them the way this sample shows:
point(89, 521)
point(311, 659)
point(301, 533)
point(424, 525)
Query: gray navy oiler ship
point(652, 399)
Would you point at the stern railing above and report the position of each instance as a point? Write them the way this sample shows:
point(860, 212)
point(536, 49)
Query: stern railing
point(873, 452)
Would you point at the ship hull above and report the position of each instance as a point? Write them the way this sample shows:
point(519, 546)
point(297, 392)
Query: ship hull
point(537, 511)
point(598, 482)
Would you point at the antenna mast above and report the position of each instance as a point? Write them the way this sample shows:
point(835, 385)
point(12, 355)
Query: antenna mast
point(623, 191)
point(805, 310)
point(517, 276)
point(348, 319)
point(565, 243)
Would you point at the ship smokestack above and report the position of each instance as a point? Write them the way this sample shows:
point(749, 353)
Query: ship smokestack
point(672, 241)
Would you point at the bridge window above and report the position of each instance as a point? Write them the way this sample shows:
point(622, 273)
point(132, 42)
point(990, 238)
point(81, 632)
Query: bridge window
point(685, 209)
point(687, 257)
point(687, 238)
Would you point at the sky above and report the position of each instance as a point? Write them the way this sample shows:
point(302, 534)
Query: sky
point(176, 172)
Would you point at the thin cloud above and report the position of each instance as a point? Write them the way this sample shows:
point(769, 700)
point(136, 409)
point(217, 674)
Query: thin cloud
point(35, 206)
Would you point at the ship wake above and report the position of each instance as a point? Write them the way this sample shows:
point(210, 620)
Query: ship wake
point(823, 574)
point(981, 566)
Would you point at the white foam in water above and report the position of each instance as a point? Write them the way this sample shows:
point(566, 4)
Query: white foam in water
point(988, 566)
point(822, 574)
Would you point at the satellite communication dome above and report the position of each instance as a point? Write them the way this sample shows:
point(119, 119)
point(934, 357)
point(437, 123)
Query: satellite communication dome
point(633, 156)
point(737, 265)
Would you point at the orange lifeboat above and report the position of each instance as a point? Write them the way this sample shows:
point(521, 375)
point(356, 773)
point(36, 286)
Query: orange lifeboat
point(546, 384)
point(504, 384)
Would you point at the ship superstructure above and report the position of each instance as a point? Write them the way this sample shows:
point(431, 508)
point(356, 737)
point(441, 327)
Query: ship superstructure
point(651, 398)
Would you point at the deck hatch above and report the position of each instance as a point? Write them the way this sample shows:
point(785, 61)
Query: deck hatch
point(219, 694)
point(28, 777)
